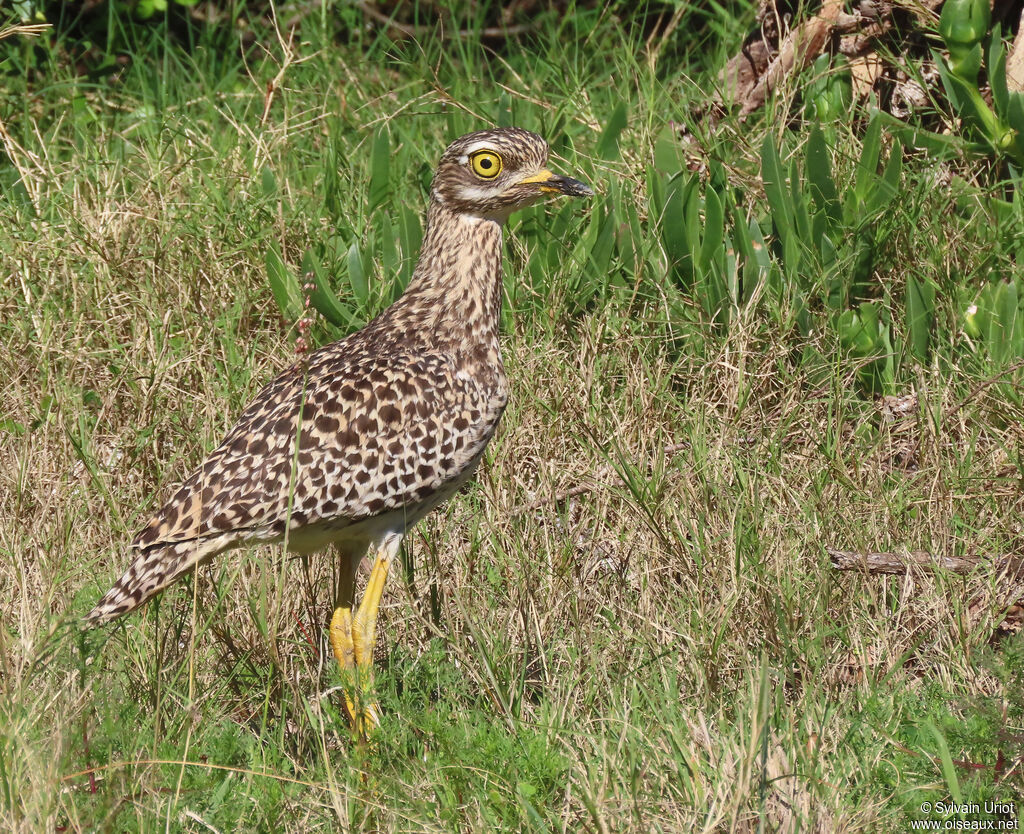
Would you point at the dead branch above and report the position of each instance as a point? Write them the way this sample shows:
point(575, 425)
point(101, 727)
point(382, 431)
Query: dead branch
point(1008, 569)
point(798, 50)
point(898, 564)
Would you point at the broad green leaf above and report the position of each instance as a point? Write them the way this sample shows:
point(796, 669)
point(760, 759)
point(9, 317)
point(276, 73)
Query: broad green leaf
point(757, 260)
point(283, 284)
point(867, 165)
point(884, 370)
point(853, 334)
point(322, 297)
point(656, 190)
point(757, 244)
point(920, 304)
point(801, 214)
point(711, 248)
point(608, 143)
point(774, 188)
point(380, 169)
point(741, 232)
point(356, 276)
point(692, 220)
point(984, 316)
point(888, 185)
point(601, 240)
point(412, 238)
point(718, 176)
point(675, 227)
point(731, 275)
point(412, 232)
point(1006, 312)
point(996, 69)
point(667, 151)
point(268, 182)
point(390, 260)
point(863, 267)
point(1015, 112)
point(996, 336)
point(630, 238)
point(792, 259)
point(819, 177)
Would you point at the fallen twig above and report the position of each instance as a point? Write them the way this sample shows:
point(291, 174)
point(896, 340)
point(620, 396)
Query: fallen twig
point(902, 563)
point(1008, 569)
point(801, 46)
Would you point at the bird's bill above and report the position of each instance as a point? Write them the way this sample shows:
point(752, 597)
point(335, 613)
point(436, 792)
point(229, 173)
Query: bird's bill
point(552, 183)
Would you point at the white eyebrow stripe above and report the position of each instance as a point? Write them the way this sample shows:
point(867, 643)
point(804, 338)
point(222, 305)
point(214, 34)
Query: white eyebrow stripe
point(483, 144)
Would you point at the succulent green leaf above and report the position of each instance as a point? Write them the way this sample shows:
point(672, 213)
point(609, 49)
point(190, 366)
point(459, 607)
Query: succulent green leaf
point(608, 143)
point(380, 169)
point(1015, 112)
point(322, 297)
point(268, 182)
point(963, 24)
point(357, 276)
point(714, 230)
point(819, 177)
point(283, 284)
point(996, 69)
point(920, 304)
point(774, 181)
point(867, 165)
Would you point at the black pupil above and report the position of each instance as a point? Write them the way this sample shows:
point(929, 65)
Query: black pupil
point(486, 164)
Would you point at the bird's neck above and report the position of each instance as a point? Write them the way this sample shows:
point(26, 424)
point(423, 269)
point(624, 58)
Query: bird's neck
point(453, 300)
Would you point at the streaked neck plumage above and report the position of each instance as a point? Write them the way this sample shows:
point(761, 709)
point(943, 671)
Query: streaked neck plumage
point(453, 300)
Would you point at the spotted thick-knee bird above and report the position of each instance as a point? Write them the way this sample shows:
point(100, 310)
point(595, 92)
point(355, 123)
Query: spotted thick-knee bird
point(357, 443)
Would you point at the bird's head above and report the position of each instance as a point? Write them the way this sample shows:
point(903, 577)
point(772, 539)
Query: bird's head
point(492, 173)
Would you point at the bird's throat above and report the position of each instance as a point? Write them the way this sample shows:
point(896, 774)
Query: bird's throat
point(455, 292)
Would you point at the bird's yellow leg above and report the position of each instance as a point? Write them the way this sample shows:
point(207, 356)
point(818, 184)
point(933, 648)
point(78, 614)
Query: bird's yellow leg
point(364, 638)
point(353, 637)
point(340, 635)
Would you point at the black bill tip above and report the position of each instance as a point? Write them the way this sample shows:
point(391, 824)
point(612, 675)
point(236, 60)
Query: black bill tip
point(568, 186)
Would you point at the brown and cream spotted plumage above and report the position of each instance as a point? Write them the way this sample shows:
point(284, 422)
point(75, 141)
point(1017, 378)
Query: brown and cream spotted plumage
point(361, 440)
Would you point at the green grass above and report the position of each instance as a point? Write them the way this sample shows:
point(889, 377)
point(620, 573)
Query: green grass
point(667, 650)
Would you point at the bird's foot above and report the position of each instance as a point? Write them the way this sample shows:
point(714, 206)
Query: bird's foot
point(353, 638)
point(356, 678)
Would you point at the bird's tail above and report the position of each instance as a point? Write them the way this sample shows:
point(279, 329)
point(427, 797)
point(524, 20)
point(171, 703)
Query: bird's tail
point(156, 567)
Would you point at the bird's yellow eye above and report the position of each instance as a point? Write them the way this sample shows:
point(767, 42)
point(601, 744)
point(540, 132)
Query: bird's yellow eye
point(486, 164)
